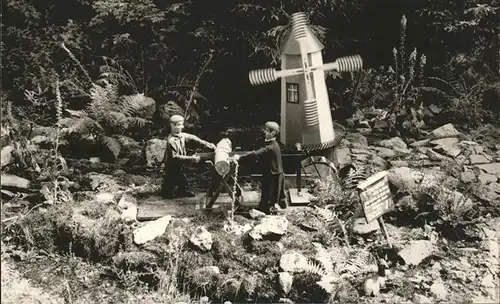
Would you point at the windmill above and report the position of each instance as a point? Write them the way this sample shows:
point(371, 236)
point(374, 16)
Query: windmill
point(305, 108)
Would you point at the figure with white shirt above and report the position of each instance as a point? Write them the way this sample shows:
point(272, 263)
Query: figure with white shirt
point(175, 183)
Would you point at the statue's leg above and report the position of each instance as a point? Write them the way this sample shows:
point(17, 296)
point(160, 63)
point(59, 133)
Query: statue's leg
point(184, 189)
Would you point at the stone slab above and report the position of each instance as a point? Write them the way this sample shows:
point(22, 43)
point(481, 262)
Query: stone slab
point(155, 206)
point(296, 198)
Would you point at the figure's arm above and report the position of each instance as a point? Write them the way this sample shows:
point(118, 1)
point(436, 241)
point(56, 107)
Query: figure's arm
point(195, 138)
point(176, 154)
point(256, 153)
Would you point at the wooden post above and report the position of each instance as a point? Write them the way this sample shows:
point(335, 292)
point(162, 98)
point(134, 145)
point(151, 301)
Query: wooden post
point(221, 159)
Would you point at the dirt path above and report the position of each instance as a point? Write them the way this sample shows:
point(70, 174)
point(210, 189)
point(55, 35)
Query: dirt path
point(16, 289)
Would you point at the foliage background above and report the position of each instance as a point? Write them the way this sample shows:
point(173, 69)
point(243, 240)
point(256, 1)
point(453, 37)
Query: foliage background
point(160, 48)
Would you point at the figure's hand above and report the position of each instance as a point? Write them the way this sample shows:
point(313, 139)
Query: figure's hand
point(196, 158)
point(211, 146)
point(236, 157)
point(298, 146)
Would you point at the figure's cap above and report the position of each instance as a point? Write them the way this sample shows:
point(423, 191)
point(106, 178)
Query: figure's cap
point(272, 126)
point(176, 118)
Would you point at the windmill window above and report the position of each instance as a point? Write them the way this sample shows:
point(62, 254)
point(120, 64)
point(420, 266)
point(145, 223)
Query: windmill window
point(292, 92)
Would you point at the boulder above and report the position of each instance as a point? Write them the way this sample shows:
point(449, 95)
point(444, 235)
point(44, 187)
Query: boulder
point(202, 239)
point(270, 225)
point(444, 131)
point(357, 138)
point(151, 230)
point(155, 152)
point(392, 143)
point(416, 252)
point(293, 261)
point(6, 156)
point(285, 281)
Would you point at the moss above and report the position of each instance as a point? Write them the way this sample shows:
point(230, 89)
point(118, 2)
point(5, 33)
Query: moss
point(39, 229)
point(298, 239)
point(306, 290)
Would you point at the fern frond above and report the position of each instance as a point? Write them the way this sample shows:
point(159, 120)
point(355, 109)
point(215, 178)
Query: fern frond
point(327, 215)
point(323, 258)
point(172, 108)
point(314, 268)
point(112, 144)
point(359, 262)
point(77, 113)
point(137, 121)
point(131, 104)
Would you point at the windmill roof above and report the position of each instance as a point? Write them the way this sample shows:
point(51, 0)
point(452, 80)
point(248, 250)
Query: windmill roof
point(291, 45)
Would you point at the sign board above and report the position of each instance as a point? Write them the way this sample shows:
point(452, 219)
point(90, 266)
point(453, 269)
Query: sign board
point(375, 196)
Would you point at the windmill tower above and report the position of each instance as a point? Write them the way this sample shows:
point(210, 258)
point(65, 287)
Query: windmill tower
point(305, 108)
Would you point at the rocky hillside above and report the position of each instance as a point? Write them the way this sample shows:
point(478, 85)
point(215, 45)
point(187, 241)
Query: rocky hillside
point(444, 230)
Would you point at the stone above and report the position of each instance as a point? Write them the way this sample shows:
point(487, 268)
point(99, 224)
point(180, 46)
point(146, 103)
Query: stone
point(404, 178)
point(151, 230)
point(293, 261)
point(444, 131)
point(285, 281)
point(202, 239)
point(40, 139)
point(360, 151)
point(398, 163)
point(364, 124)
point(434, 109)
point(380, 124)
point(359, 226)
point(379, 162)
point(420, 143)
point(343, 156)
point(364, 131)
point(416, 252)
point(421, 299)
point(256, 214)
point(155, 151)
point(488, 281)
point(492, 168)
point(103, 182)
point(128, 206)
point(285, 301)
point(94, 160)
point(433, 155)
point(402, 151)
point(478, 159)
point(438, 290)
point(495, 187)
point(487, 178)
point(6, 156)
point(357, 138)
point(270, 225)
point(446, 142)
point(392, 143)
point(385, 152)
point(130, 214)
point(467, 177)
point(452, 151)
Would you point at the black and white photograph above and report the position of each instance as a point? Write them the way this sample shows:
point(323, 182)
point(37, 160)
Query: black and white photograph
point(250, 151)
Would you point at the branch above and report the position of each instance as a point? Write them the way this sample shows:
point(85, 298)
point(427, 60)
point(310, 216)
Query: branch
point(196, 84)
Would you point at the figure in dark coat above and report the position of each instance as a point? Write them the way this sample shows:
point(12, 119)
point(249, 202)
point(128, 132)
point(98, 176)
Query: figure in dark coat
point(273, 179)
point(176, 158)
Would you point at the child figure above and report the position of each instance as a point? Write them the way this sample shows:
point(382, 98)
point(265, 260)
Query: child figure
point(176, 157)
point(273, 179)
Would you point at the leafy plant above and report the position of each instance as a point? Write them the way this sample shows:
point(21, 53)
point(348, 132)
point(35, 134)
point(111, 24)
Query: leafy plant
point(108, 115)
